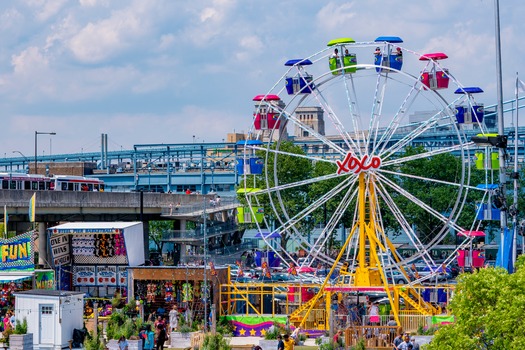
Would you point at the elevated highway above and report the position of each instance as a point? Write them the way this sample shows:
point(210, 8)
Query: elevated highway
point(54, 206)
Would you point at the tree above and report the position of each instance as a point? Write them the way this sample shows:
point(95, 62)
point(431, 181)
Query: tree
point(156, 229)
point(489, 310)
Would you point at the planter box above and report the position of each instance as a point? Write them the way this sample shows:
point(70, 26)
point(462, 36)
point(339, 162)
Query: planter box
point(180, 340)
point(112, 344)
point(21, 341)
point(268, 344)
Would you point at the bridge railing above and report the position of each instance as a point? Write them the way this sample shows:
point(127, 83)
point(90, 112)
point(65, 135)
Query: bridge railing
point(198, 233)
point(205, 205)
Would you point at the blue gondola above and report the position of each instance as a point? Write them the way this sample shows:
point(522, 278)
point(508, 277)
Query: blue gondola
point(251, 164)
point(301, 83)
point(472, 112)
point(392, 57)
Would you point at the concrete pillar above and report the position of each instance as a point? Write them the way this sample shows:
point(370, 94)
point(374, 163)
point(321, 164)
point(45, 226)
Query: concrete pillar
point(42, 244)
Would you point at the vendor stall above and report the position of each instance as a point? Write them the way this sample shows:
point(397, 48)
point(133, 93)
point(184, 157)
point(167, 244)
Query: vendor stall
point(93, 257)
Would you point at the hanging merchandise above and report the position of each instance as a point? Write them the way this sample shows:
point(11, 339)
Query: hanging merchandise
point(168, 292)
point(187, 292)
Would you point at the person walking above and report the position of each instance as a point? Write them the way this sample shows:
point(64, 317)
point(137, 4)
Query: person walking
point(174, 318)
point(289, 344)
point(415, 346)
point(161, 338)
point(280, 343)
point(149, 341)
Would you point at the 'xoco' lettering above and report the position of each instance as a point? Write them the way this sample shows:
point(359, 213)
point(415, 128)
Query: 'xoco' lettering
point(353, 164)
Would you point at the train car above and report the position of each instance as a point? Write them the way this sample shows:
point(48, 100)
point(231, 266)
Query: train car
point(76, 183)
point(22, 181)
point(34, 182)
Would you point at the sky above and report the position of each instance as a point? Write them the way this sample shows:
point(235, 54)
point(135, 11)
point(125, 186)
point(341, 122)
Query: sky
point(173, 71)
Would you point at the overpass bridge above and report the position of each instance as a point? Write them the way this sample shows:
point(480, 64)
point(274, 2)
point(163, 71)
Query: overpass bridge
point(207, 167)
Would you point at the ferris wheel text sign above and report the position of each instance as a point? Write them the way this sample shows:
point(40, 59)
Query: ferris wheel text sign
point(353, 164)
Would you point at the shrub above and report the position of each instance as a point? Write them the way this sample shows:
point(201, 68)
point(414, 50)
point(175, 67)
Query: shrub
point(215, 342)
point(20, 327)
point(92, 343)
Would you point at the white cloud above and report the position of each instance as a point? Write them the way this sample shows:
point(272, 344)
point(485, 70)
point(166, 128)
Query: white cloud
point(100, 40)
point(29, 61)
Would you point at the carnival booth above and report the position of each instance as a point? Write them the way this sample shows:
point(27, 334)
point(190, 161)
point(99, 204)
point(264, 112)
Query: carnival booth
point(93, 257)
point(61, 312)
point(17, 270)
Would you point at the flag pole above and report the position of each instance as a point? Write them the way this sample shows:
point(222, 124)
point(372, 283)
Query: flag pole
point(515, 176)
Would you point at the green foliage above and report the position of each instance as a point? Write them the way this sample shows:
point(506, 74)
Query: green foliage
point(360, 345)
point(489, 308)
point(215, 342)
point(119, 324)
point(421, 330)
point(156, 229)
point(224, 327)
point(20, 327)
point(272, 332)
point(93, 343)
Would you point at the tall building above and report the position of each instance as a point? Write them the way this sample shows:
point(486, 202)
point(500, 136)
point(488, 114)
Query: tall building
point(313, 117)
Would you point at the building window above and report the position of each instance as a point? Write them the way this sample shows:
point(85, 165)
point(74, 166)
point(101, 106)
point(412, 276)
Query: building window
point(46, 310)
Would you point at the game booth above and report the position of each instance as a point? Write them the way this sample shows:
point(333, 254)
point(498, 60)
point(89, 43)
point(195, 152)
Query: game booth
point(93, 257)
point(17, 270)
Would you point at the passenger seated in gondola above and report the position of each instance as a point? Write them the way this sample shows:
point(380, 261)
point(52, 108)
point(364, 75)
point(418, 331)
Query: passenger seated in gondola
point(377, 52)
point(335, 54)
point(399, 52)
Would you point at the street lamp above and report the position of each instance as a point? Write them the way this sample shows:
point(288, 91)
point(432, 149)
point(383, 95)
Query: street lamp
point(36, 144)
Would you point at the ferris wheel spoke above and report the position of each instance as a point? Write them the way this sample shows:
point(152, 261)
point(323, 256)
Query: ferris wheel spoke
point(430, 180)
point(347, 186)
point(404, 224)
point(426, 155)
point(438, 119)
point(334, 220)
point(336, 122)
point(312, 132)
point(295, 155)
point(353, 106)
point(419, 202)
point(396, 120)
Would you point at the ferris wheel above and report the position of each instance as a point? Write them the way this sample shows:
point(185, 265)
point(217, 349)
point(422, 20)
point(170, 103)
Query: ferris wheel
point(370, 117)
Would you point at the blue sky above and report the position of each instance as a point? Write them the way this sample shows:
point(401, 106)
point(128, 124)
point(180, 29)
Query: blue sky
point(161, 71)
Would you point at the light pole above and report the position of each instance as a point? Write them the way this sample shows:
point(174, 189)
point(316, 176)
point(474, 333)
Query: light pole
point(36, 144)
point(149, 178)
